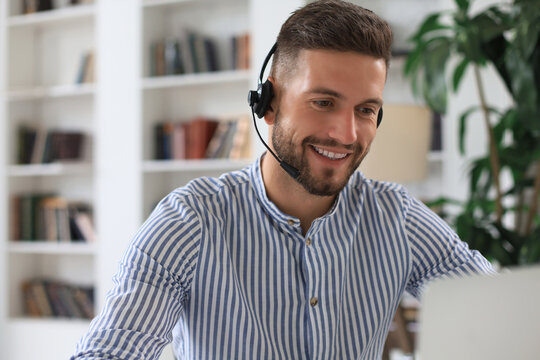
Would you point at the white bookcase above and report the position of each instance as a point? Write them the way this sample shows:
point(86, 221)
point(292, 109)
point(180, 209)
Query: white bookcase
point(41, 55)
point(39, 59)
point(179, 98)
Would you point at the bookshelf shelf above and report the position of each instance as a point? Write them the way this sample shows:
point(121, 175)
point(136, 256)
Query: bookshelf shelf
point(51, 248)
point(54, 169)
point(220, 77)
point(164, 166)
point(52, 17)
point(44, 92)
point(33, 323)
point(160, 3)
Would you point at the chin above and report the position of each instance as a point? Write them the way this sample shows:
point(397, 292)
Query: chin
point(327, 184)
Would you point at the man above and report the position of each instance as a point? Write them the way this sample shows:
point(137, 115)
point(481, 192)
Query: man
point(259, 264)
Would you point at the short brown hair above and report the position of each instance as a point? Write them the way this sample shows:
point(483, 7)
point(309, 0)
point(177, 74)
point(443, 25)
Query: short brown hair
point(331, 25)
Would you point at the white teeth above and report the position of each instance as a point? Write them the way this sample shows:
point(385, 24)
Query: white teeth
point(329, 154)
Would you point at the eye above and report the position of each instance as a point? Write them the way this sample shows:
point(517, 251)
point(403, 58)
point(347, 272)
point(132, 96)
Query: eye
point(323, 104)
point(366, 111)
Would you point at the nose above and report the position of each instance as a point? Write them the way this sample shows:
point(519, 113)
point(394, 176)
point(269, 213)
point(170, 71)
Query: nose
point(344, 127)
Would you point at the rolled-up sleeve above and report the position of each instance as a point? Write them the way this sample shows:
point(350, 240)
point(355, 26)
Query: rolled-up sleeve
point(437, 250)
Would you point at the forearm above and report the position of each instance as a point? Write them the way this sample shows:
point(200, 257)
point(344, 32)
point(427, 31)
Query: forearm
point(138, 316)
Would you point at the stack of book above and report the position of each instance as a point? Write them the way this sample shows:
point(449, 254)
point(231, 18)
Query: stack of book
point(33, 6)
point(203, 138)
point(45, 298)
point(45, 217)
point(39, 146)
point(197, 53)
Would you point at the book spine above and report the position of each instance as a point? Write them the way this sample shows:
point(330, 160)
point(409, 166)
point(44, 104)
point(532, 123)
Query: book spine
point(158, 142)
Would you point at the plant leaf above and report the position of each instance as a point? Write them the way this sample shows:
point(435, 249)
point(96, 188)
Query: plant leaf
point(430, 24)
point(463, 127)
point(463, 5)
point(458, 73)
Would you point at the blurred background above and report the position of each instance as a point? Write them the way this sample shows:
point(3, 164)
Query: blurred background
point(107, 106)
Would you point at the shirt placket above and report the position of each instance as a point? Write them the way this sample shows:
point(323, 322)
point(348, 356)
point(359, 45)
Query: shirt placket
point(315, 300)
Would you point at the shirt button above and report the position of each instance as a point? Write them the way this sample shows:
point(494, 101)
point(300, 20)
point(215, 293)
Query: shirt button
point(308, 241)
point(313, 301)
point(290, 222)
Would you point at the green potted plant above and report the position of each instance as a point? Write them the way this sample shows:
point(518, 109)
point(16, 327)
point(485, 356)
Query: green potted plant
point(500, 220)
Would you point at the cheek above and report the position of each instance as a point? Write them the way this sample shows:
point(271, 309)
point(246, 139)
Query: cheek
point(366, 133)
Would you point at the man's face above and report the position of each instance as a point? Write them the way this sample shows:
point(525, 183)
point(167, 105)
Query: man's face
point(326, 116)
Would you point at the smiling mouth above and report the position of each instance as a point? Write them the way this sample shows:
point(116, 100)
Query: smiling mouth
point(329, 154)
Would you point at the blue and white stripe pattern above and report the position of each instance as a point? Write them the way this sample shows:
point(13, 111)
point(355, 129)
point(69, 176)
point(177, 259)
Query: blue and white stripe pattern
point(236, 278)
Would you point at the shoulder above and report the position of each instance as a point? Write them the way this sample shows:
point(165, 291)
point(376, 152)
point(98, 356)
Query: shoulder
point(374, 192)
point(204, 190)
point(171, 235)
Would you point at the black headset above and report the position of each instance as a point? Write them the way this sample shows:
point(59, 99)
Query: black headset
point(259, 101)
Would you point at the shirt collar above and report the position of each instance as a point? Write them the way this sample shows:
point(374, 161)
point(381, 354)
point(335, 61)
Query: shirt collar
point(267, 204)
point(273, 210)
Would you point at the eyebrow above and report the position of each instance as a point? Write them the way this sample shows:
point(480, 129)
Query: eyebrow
point(325, 91)
point(330, 92)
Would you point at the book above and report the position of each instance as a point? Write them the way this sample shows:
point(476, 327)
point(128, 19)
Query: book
point(47, 217)
point(45, 5)
point(168, 128)
point(63, 146)
point(29, 6)
point(199, 133)
point(79, 79)
point(245, 54)
point(81, 222)
point(66, 296)
point(15, 211)
point(179, 141)
point(52, 298)
point(241, 54)
point(29, 216)
point(26, 138)
point(192, 39)
point(85, 226)
point(159, 55)
point(84, 299)
point(58, 305)
point(88, 73)
point(56, 219)
point(152, 59)
point(210, 55)
point(240, 142)
point(173, 62)
point(30, 304)
point(39, 146)
point(159, 153)
point(217, 143)
point(40, 297)
point(185, 53)
point(225, 148)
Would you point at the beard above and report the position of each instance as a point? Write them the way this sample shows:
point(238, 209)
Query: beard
point(323, 185)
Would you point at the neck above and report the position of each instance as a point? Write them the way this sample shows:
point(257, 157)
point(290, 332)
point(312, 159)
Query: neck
point(290, 197)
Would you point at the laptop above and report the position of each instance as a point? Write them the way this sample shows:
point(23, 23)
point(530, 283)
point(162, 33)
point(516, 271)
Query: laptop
point(482, 317)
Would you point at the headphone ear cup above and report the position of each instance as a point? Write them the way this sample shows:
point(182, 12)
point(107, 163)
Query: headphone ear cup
point(379, 117)
point(266, 93)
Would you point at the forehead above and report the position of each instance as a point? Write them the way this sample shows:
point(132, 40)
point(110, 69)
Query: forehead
point(348, 73)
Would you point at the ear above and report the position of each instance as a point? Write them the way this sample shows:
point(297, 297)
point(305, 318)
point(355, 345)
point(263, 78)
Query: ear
point(269, 116)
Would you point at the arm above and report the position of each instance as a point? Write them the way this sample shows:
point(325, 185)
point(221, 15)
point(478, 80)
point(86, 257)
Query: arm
point(436, 250)
point(150, 287)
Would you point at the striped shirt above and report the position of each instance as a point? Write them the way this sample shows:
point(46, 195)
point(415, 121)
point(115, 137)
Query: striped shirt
point(218, 265)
